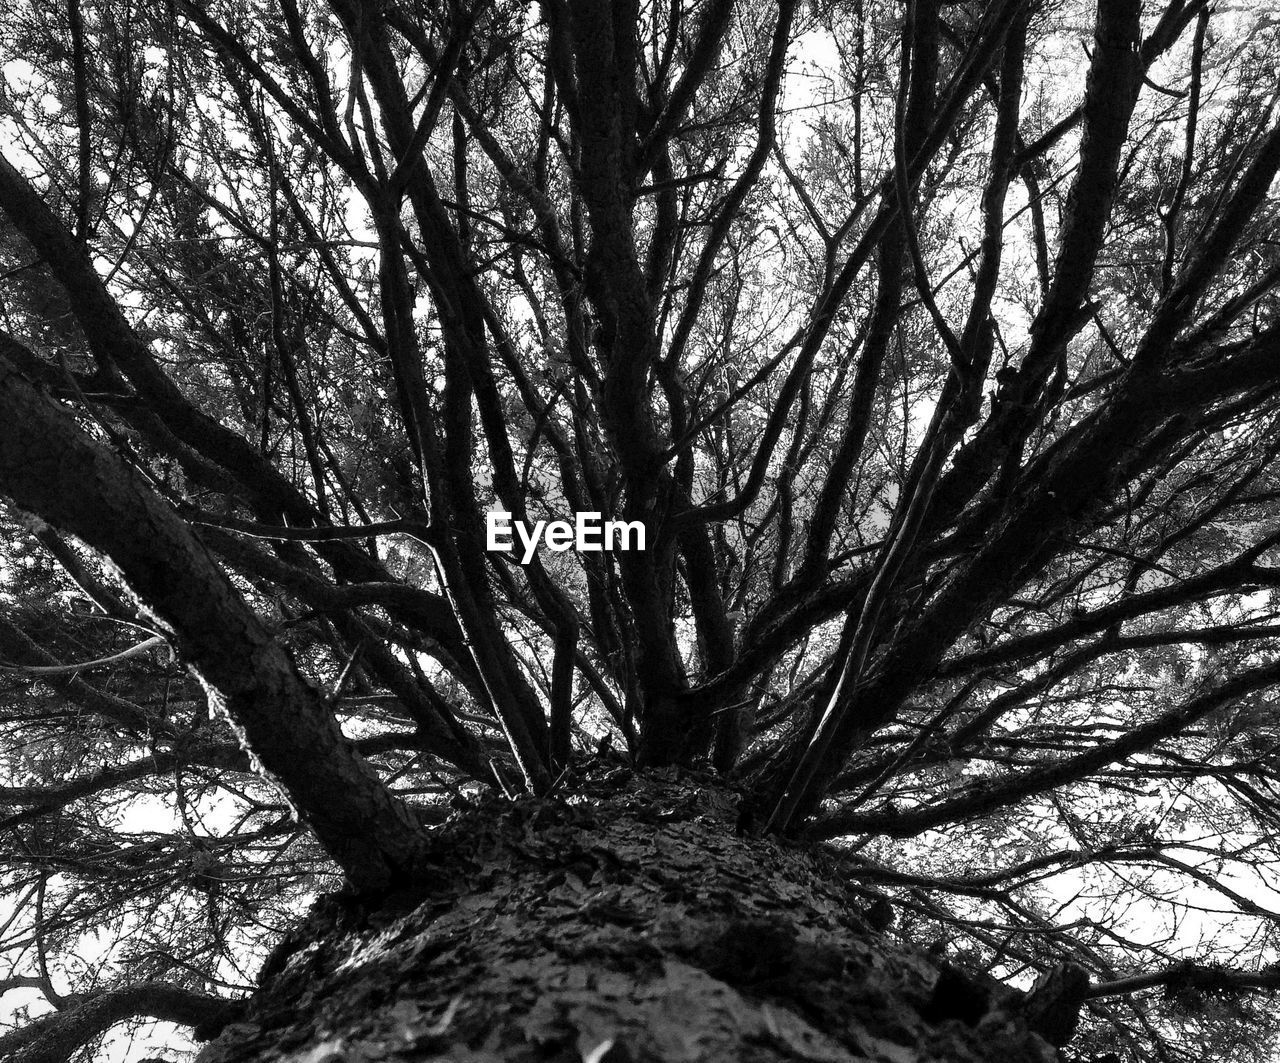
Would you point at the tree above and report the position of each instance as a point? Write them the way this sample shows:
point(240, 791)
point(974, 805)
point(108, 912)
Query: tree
point(933, 347)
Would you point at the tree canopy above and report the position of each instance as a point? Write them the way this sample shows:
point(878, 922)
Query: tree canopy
point(934, 346)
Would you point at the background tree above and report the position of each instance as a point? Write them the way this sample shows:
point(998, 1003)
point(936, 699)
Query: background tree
point(933, 344)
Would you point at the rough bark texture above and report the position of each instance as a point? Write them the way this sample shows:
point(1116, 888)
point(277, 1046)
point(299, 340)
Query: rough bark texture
point(627, 923)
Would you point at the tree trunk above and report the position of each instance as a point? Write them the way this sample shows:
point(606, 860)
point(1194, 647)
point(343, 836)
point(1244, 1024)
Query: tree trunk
point(632, 925)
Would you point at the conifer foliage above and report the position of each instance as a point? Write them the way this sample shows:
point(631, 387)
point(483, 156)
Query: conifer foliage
point(932, 346)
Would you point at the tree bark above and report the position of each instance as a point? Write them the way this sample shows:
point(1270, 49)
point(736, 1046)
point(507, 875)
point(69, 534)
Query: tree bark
point(631, 925)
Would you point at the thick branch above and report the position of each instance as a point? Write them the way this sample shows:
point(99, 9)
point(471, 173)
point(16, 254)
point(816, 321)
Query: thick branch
point(54, 1038)
point(49, 466)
